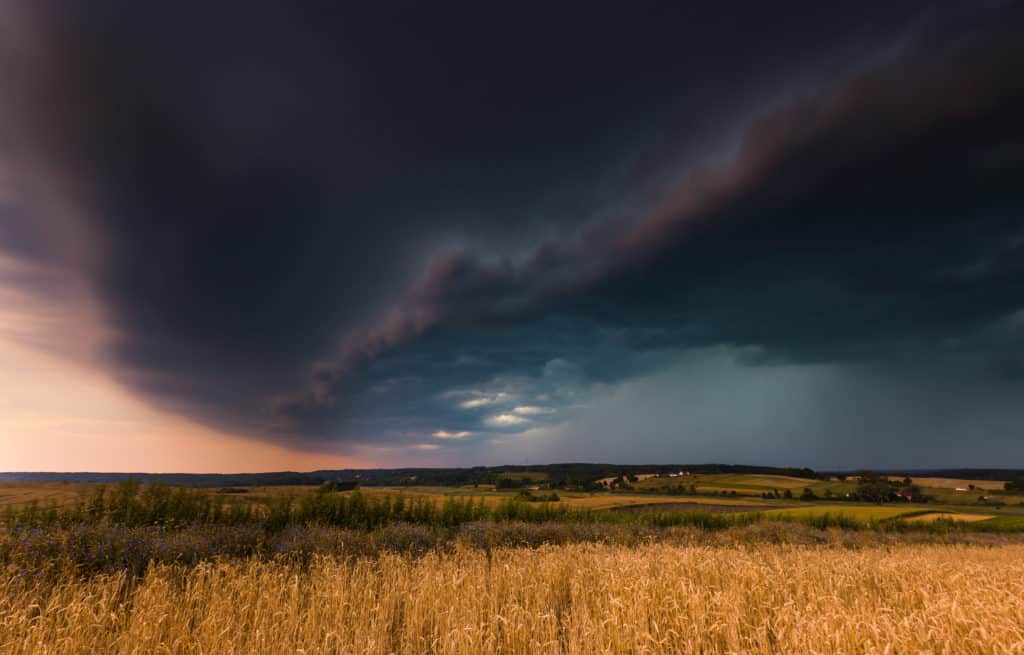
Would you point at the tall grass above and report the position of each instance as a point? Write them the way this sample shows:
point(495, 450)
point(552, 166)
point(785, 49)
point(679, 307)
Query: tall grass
point(654, 598)
point(133, 505)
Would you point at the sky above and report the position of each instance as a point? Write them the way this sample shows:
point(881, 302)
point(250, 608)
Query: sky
point(266, 236)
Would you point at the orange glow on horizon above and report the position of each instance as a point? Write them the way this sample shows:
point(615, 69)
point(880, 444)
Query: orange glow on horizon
point(56, 415)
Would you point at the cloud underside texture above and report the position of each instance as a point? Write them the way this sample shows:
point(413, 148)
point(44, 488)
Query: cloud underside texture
point(323, 240)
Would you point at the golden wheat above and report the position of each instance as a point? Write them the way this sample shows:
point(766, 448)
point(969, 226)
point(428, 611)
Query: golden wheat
point(582, 599)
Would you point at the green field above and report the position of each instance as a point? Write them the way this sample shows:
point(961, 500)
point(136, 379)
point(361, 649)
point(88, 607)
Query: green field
point(1006, 522)
point(533, 476)
point(746, 485)
point(575, 499)
point(754, 482)
point(986, 493)
point(863, 513)
point(650, 494)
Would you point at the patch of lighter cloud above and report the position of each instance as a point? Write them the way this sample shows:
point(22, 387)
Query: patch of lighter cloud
point(444, 434)
point(532, 410)
point(505, 420)
point(485, 400)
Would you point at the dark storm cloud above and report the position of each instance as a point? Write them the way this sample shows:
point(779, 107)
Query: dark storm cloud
point(827, 232)
point(348, 224)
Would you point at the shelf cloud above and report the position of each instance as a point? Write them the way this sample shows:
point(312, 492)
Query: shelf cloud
point(338, 229)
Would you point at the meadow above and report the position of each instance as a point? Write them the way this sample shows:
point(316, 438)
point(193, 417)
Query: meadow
point(708, 501)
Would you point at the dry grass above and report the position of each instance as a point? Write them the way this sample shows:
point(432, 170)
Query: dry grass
point(657, 598)
point(952, 483)
point(575, 499)
point(742, 480)
point(19, 494)
point(949, 516)
point(857, 512)
point(608, 501)
point(743, 484)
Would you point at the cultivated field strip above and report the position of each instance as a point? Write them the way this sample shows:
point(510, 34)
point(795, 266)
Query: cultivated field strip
point(581, 599)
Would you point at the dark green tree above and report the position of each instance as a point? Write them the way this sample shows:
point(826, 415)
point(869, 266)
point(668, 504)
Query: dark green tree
point(1015, 483)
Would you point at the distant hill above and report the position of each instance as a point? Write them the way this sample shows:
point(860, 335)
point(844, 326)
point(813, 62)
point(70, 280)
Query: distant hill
point(959, 474)
point(962, 474)
point(569, 472)
point(179, 479)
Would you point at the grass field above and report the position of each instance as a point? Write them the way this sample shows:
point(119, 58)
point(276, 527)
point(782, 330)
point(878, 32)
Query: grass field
point(713, 490)
point(382, 571)
point(748, 484)
point(1008, 523)
point(929, 517)
point(863, 513)
point(953, 483)
point(22, 493)
point(953, 497)
point(740, 483)
point(648, 506)
point(532, 476)
point(578, 599)
point(576, 499)
point(942, 490)
point(17, 495)
point(756, 482)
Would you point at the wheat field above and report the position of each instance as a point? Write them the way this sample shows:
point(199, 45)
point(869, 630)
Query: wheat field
point(584, 599)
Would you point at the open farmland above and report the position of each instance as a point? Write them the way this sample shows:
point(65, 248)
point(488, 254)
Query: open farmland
point(863, 513)
point(1004, 522)
point(608, 501)
point(928, 517)
point(568, 499)
point(18, 494)
point(654, 598)
point(756, 482)
point(954, 483)
point(754, 485)
point(950, 491)
point(532, 476)
point(470, 569)
point(717, 492)
point(747, 484)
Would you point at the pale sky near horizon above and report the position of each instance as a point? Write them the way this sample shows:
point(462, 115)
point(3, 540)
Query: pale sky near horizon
point(56, 415)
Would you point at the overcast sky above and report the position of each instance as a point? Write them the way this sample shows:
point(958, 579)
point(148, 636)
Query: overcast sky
point(255, 236)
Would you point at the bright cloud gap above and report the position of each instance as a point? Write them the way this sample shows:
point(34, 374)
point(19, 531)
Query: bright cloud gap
point(505, 420)
point(445, 434)
point(532, 410)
